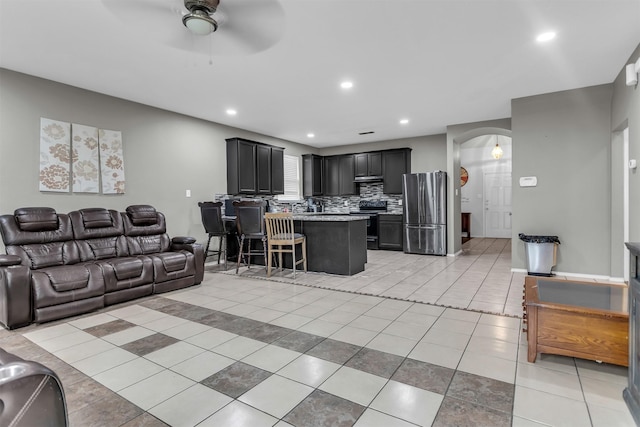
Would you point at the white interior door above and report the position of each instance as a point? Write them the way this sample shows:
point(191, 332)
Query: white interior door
point(497, 205)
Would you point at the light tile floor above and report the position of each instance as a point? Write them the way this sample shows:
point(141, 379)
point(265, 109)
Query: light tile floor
point(480, 279)
point(236, 351)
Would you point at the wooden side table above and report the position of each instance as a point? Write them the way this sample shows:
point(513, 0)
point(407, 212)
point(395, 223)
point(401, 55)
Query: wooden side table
point(466, 226)
point(588, 320)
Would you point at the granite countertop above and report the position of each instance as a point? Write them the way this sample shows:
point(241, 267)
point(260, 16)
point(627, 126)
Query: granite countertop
point(328, 217)
point(390, 213)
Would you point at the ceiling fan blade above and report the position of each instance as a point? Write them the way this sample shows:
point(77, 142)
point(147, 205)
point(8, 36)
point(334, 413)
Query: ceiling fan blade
point(244, 26)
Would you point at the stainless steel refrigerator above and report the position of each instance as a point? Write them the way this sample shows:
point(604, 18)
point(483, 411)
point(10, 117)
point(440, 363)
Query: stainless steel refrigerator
point(425, 213)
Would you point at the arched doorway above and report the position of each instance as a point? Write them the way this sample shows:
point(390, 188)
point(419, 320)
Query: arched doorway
point(456, 136)
point(485, 195)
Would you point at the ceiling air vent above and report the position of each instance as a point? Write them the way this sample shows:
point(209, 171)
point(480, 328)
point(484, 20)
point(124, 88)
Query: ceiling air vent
point(366, 133)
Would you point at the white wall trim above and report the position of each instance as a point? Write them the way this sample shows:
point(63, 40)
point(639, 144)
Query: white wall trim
point(456, 254)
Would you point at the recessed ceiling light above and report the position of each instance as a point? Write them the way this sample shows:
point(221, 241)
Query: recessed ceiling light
point(231, 112)
point(404, 121)
point(346, 85)
point(545, 37)
point(310, 135)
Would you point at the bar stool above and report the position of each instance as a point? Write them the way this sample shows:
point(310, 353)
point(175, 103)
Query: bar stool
point(250, 223)
point(214, 226)
point(282, 238)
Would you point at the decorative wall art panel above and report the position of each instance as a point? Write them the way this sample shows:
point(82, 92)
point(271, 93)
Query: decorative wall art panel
point(111, 161)
point(55, 155)
point(85, 160)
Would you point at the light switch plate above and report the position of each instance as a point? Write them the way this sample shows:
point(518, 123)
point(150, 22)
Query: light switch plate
point(188, 193)
point(528, 181)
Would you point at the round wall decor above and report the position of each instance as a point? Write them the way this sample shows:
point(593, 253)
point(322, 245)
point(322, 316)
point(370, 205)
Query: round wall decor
point(464, 176)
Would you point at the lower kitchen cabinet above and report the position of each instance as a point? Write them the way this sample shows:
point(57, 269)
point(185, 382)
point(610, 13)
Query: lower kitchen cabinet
point(390, 232)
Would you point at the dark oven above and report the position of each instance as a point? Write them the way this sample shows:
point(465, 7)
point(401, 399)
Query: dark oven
point(371, 208)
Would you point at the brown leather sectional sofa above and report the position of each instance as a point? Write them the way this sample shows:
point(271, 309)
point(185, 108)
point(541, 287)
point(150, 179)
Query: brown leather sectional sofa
point(60, 265)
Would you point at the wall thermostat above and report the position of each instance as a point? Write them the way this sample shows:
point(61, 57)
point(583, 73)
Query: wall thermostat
point(528, 181)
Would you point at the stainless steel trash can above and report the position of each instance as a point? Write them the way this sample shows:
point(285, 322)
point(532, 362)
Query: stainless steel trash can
point(541, 253)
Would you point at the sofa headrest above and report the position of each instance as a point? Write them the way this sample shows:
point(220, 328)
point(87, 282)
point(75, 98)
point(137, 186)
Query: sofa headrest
point(96, 217)
point(142, 214)
point(36, 219)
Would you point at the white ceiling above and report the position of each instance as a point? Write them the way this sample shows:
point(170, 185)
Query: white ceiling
point(436, 63)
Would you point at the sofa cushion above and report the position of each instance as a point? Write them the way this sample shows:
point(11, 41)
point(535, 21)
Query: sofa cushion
point(126, 268)
point(13, 233)
point(66, 284)
point(96, 218)
point(103, 248)
point(46, 254)
point(36, 219)
point(173, 261)
point(67, 278)
point(142, 214)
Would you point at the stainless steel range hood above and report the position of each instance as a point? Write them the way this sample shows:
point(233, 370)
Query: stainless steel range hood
point(372, 178)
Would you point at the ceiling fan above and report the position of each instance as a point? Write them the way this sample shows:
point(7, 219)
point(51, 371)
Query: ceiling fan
point(217, 27)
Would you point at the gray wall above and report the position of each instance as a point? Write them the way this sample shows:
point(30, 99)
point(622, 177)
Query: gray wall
point(625, 112)
point(564, 139)
point(165, 153)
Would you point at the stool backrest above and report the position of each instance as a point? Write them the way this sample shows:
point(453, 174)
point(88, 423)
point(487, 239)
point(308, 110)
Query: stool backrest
point(250, 217)
point(212, 217)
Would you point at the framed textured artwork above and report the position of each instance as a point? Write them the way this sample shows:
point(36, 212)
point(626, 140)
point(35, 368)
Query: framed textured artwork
point(84, 159)
point(55, 155)
point(111, 161)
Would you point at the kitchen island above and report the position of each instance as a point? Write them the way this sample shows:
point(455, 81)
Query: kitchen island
point(336, 244)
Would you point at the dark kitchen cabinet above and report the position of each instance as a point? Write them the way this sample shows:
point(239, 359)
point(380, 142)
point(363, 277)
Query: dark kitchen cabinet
point(339, 173)
point(263, 170)
point(332, 176)
point(390, 232)
point(395, 163)
point(347, 175)
point(250, 168)
point(241, 166)
point(312, 175)
point(277, 170)
point(368, 164)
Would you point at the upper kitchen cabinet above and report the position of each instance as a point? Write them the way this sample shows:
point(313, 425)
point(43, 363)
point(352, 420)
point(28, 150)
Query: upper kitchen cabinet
point(277, 170)
point(339, 172)
point(331, 176)
point(347, 175)
point(395, 163)
point(312, 175)
point(254, 168)
point(368, 164)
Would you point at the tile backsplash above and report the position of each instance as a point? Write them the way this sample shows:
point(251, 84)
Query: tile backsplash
point(337, 204)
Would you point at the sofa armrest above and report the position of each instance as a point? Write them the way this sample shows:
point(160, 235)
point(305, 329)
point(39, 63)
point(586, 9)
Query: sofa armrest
point(189, 244)
point(8, 260)
point(16, 308)
point(179, 240)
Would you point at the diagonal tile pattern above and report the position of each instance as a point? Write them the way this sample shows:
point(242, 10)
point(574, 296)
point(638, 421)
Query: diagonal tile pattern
point(313, 356)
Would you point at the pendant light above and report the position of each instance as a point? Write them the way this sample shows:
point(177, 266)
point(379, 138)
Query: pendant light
point(497, 151)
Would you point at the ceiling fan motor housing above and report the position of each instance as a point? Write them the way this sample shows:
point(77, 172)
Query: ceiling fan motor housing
point(209, 6)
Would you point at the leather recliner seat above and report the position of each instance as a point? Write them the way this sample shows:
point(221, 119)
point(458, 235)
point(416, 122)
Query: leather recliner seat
point(59, 265)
